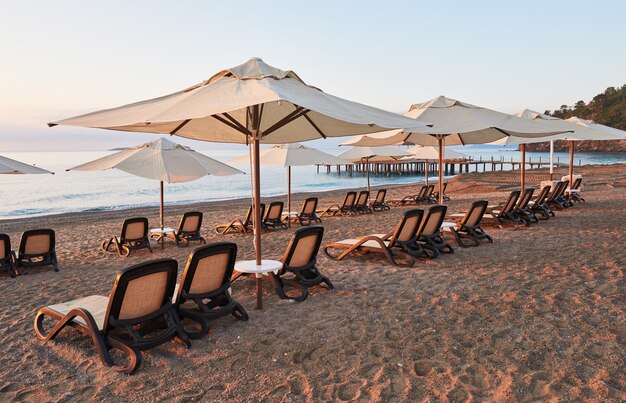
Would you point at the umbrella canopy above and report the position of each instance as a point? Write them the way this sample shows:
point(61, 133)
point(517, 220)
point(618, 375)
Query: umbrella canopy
point(218, 110)
point(290, 155)
point(432, 153)
point(249, 103)
point(9, 166)
point(596, 126)
point(161, 160)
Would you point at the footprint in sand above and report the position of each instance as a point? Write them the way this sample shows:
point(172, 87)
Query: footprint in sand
point(348, 392)
point(423, 367)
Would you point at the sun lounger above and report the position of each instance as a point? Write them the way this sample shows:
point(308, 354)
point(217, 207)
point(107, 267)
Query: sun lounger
point(522, 209)
point(468, 225)
point(539, 205)
point(134, 236)
point(307, 214)
point(37, 249)
point(410, 199)
point(141, 299)
point(189, 229)
point(506, 212)
point(428, 196)
point(239, 226)
point(379, 204)
point(345, 208)
point(557, 197)
point(574, 192)
point(445, 196)
point(361, 206)
point(274, 217)
point(429, 232)
point(7, 256)
point(401, 243)
point(300, 264)
point(203, 295)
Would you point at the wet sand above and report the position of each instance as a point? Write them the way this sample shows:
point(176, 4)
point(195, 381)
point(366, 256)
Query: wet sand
point(538, 315)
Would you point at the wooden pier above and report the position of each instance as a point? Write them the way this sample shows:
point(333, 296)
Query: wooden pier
point(451, 167)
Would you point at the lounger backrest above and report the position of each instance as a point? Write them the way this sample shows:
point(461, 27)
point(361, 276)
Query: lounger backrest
point(249, 220)
point(429, 190)
point(407, 228)
point(208, 269)
point(475, 213)
point(37, 242)
point(380, 196)
point(363, 197)
point(303, 247)
point(141, 290)
point(543, 194)
point(190, 223)
point(431, 225)
point(523, 201)
point(445, 186)
point(348, 201)
point(134, 229)
point(309, 206)
point(563, 187)
point(422, 191)
point(510, 202)
point(577, 183)
point(5, 246)
point(274, 211)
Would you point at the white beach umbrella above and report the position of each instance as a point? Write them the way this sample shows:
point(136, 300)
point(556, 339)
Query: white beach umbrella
point(575, 132)
point(459, 123)
point(9, 166)
point(161, 160)
point(372, 154)
point(289, 155)
point(250, 103)
point(430, 153)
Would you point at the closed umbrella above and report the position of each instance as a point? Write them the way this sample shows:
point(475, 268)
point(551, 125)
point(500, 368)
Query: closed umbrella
point(459, 123)
point(289, 155)
point(9, 166)
point(430, 153)
point(161, 160)
point(250, 103)
point(372, 154)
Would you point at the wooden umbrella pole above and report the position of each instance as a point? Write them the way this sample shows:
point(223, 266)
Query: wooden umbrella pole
point(161, 209)
point(253, 113)
point(289, 195)
point(367, 168)
point(523, 166)
point(571, 166)
point(440, 141)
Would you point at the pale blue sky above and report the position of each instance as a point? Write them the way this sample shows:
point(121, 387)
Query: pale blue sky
point(63, 58)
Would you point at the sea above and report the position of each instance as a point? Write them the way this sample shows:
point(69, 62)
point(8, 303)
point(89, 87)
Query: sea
point(74, 191)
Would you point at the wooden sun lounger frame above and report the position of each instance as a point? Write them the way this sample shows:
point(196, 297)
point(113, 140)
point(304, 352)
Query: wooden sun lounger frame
point(379, 203)
point(574, 192)
point(408, 249)
point(304, 276)
point(540, 206)
point(133, 342)
point(433, 242)
point(523, 211)
point(308, 218)
point(210, 305)
point(361, 204)
point(345, 208)
point(237, 225)
point(506, 212)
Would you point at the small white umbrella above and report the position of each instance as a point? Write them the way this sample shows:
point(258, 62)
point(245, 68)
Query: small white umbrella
point(430, 153)
point(9, 166)
point(368, 154)
point(161, 160)
point(289, 155)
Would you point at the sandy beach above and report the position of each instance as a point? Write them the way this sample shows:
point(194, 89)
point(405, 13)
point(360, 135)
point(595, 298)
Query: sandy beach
point(539, 315)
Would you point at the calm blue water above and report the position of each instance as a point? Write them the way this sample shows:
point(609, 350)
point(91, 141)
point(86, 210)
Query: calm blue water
point(32, 195)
